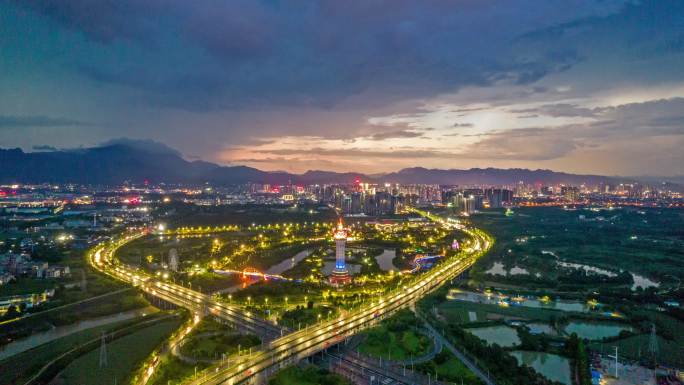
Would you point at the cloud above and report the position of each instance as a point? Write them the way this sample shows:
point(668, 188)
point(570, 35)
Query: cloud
point(44, 147)
point(559, 110)
point(396, 135)
point(232, 54)
point(636, 122)
point(13, 121)
point(221, 79)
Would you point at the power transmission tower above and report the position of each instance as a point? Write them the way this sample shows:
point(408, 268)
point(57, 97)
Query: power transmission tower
point(103, 352)
point(653, 343)
point(653, 349)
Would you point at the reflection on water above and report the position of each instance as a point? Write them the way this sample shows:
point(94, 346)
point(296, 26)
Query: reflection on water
point(287, 264)
point(541, 328)
point(643, 282)
point(576, 306)
point(330, 265)
point(502, 335)
point(587, 268)
point(595, 330)
point(639, 280)
point(551, 366)
point(385, 260)
point(36, 339)
point(499, 269)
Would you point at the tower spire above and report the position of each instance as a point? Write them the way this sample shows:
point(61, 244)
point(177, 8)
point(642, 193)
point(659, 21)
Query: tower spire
point(340, 275)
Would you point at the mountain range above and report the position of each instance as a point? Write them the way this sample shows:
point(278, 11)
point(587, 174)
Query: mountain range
point(136, 161)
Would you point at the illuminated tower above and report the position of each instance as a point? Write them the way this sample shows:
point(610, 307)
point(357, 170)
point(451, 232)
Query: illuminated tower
point(340, 274)
point(173, 259)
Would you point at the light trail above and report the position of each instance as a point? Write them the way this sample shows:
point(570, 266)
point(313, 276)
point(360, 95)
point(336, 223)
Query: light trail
point(303, 343)
point(299, 344)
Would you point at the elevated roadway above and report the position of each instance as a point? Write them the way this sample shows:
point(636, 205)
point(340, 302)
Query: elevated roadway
point(293, 347)
point(286, 349)
point(102, 259)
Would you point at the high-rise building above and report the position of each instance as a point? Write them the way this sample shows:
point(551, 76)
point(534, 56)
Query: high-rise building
point(570, 193)
point(497, 198)
point(356, 203)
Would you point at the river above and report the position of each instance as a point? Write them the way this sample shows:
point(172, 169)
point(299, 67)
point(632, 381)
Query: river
point(385, 260)
point(40, 338)
point(287, 264)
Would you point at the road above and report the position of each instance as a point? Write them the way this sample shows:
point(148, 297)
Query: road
point(102, 259)
point(465, 360)
point(292, 347)
point(300, 344)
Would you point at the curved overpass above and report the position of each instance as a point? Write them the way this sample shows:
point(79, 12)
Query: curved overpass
point(101, 258)
point(299, 344)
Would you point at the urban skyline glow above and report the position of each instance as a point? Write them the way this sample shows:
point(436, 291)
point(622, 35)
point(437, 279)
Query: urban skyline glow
point(577, 86)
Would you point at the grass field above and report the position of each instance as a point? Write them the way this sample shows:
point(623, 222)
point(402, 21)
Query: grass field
point(116, 303)
point(16, 369)
point(173, 371)
point(124, 355)
point(396, 338)
point(457, 311)
point(646, 241)
point(194, 215)
point(28, 286)
point(449, 368)
point(303, 316)
point(214, 346)
point(307, 375)
point(395, 344)
point(670, 339)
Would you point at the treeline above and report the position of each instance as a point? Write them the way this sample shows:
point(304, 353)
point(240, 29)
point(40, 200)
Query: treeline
point(501, 365)
point(493, 358)
point(575, 349)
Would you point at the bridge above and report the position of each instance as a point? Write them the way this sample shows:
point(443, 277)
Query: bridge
point(253, 273)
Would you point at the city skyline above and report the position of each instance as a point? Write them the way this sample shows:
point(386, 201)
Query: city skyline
point(586, 87)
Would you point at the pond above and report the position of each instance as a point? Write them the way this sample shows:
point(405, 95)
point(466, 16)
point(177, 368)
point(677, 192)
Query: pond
point(385, 260)
point(643, 282)
point(496, 299)
point(587, 268)
point(551, 366)
point(499, 269)
point(541, 328)
point(36, 339)
point(287, 264)
point(502, 335)
point(639, 280)
point(595, 330)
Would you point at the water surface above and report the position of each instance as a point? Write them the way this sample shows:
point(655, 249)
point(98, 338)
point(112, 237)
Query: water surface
point(595, 330)
point(287, 264)
point(551, 366)
point(385, 260)
point(502, 335)
point(40, 338)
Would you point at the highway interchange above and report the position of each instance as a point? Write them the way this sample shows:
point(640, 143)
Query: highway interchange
point(287, 347)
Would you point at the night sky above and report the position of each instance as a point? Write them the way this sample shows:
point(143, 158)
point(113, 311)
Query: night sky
point(369, 86)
